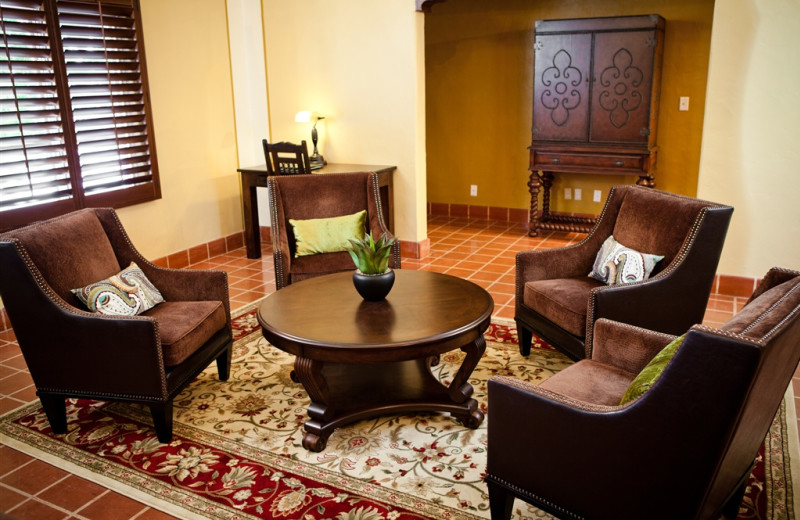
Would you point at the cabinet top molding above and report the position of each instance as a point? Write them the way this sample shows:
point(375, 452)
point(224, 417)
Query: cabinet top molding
point(616, 24)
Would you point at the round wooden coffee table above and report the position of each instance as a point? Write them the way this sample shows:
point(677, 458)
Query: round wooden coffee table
point(359, 359)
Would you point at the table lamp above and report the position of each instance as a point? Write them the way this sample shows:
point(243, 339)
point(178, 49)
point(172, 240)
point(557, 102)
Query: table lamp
point(305, 116)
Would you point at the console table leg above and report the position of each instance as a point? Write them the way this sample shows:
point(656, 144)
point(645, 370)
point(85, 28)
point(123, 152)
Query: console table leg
point(534, 184)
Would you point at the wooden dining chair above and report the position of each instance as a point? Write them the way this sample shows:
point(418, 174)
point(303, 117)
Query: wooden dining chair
point(286, 158)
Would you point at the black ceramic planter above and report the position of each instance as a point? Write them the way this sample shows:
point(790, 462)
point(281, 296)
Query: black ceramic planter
point(373, 287)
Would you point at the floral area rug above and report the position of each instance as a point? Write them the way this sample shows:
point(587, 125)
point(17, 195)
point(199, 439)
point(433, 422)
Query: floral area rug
point(236, 451)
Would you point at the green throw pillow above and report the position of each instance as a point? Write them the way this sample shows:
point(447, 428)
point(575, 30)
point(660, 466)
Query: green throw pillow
point(650, 373)
point(327, 235)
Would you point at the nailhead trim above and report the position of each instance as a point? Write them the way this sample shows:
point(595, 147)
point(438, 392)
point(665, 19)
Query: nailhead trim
point(523, 493)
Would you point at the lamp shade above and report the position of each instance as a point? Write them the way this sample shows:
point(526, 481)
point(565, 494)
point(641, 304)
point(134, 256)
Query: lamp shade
point(304, 116)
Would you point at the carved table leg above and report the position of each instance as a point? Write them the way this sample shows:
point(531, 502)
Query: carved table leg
point(646, 181)
point(320, 411)
point(460, 390)
point(534, 183)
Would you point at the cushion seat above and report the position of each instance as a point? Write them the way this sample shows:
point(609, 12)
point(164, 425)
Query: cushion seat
point(562, 300)
point(185, 326)
point(591, 382)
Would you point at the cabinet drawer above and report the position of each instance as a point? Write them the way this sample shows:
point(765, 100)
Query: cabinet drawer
point(575, 161)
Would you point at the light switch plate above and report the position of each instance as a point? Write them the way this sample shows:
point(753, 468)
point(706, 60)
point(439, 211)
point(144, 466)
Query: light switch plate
point(683, 106)
point(577, 193)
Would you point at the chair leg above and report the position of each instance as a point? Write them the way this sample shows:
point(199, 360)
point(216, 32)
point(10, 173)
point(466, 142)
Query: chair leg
point(55, 407)
point(162, 420)
point(501, 501)
point(224, 363)
point(525, 337)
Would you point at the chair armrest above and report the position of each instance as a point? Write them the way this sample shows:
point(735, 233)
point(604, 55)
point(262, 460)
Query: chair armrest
point(626, 346)
point(582, 445)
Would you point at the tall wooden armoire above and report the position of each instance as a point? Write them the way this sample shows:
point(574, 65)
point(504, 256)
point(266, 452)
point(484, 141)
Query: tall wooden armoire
point(596, 85)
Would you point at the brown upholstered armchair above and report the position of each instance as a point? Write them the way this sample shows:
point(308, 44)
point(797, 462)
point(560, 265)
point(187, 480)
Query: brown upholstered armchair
point(302, 197)
point(557, 300)
point(683, 449)
point(71, 352)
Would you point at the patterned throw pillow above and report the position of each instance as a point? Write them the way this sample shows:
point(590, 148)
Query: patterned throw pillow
point(652, 371)
point(125, 294)
point(617, 264)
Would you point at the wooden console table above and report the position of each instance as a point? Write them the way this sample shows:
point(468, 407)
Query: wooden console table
point(256, 176)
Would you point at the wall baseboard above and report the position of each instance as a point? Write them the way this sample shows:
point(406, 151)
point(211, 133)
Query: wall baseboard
point(724, 285)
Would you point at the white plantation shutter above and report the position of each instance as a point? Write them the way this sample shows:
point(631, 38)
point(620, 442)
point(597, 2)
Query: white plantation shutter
point(75, 128)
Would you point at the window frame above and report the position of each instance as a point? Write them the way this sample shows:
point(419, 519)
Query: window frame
point(135, 188)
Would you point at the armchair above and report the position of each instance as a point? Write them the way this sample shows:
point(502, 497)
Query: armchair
point(302, 197)
point(557, 300)
point(683, 449)
point(71, 352)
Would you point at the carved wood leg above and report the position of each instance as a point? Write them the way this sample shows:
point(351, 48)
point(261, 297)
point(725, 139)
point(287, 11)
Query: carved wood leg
point(547, 183)
point(55, 407)
point(534, 184)
point(321, 409)
point(162, 420)
point(647, 181)
point(460, 390)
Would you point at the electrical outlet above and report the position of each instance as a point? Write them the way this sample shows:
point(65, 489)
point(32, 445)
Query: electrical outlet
point(473, 190)
point(577, 193)
point(567, 193)
point(683, 106)
point(596, 195)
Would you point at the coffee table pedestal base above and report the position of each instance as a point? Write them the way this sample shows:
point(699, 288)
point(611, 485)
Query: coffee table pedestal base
point(344, 393)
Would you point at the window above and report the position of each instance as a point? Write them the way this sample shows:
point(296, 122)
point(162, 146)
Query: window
point(75, 123)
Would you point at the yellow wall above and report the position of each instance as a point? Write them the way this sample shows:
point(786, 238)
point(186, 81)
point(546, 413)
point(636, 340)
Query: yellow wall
point(360, 64)
point(479, 98)
point(751, 157)
point(190, 87)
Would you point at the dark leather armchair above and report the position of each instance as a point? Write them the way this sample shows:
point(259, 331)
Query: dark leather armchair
point(682, 450)
point(302, 197)
point(71, 352)
point(558, 301)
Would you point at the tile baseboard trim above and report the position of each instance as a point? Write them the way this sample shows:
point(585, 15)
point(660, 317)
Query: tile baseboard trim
point(724, 285)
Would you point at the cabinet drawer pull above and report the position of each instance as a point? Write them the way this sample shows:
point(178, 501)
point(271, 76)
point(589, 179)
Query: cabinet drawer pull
point(619, 163)
point(555, 160)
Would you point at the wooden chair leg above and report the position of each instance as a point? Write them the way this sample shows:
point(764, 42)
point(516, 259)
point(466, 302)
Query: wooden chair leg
point(525, 337)
point(55, 407)
point(224, 363)
point(501, 501)
point(162, 420)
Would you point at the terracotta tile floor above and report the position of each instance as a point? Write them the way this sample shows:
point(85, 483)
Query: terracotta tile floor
point(479, 250)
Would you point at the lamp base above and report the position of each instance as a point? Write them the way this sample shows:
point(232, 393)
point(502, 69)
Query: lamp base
point(316, 159)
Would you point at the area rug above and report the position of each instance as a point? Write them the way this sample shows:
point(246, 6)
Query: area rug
point(237, 454)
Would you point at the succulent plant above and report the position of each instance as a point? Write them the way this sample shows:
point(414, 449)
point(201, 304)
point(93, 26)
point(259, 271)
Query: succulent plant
point(371, 256)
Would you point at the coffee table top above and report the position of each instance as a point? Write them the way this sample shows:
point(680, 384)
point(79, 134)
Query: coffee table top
point(423, 308)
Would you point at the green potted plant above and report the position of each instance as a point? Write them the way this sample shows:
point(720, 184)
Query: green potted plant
point(373, 278)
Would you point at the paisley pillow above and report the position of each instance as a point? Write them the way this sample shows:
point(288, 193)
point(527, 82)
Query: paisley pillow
point(127, 293)
point(617, 264)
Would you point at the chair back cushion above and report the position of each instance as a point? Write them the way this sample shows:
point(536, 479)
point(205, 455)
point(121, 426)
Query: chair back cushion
point(304, 197)
point(656, 222)
point(71, 251)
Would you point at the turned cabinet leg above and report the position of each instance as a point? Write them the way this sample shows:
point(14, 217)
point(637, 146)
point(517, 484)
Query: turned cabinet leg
point(547, 183)
point(534, 184)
